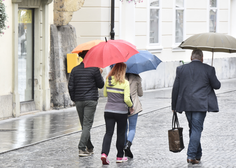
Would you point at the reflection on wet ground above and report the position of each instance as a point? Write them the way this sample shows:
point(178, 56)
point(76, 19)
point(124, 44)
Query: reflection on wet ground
point(33, 128)
point(29, 129)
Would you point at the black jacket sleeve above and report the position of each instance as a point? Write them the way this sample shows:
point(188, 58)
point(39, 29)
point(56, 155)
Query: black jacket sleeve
point(99, 79)
point(175, 90)
point(214, 82)
point(71, 86)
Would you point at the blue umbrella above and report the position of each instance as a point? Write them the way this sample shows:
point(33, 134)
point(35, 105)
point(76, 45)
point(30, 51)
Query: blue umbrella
point(141, 62)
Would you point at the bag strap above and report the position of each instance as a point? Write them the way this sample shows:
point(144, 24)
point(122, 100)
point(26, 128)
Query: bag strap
point(175, 121)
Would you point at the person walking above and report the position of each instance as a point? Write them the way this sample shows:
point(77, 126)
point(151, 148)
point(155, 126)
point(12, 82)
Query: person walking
point(116, 111)
point(83, 89)
point(193, 92)
point(136, 91)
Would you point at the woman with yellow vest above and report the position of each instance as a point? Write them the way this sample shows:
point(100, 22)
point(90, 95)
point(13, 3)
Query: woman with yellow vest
point(116, 111)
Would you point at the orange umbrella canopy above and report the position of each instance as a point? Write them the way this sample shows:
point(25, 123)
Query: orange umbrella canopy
point(86, 46)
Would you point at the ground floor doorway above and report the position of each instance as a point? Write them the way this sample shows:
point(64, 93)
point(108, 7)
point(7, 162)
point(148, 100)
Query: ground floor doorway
point(26, 59)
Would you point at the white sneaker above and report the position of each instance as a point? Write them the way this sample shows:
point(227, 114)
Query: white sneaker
point(104, 159)
point(83, 153)
point(90, 151)
point(120, 159)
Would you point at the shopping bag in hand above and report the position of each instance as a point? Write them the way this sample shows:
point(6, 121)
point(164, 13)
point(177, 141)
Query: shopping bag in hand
point(175, 135)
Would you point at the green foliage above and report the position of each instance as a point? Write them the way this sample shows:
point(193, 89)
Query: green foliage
point(3, 17)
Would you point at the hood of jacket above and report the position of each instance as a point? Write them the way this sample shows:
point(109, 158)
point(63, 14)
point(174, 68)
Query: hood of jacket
point(111, 81)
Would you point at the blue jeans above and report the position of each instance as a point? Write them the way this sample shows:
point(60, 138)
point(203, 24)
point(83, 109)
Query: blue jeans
point(86, 110)
point(195, 122)
point(131, 125)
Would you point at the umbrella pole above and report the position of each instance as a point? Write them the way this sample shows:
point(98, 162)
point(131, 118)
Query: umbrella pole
point(112, 33)
point(212, 59)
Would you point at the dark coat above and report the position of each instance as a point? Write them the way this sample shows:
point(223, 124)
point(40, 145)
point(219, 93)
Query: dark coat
point(193, 88)
point(84, 83)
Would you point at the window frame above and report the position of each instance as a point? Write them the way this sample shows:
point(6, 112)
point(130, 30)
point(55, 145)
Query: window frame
point(33, 58)
point(154, 46)
point(176, 44)
point(208, 16)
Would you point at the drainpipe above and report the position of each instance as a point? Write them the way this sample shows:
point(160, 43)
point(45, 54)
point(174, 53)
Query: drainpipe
point(112, 33)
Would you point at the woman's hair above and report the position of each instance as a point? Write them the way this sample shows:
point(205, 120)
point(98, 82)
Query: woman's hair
point(118, 71)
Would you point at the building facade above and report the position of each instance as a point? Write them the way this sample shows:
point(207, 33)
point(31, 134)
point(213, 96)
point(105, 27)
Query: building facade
point(158, 26)
point(24, 57)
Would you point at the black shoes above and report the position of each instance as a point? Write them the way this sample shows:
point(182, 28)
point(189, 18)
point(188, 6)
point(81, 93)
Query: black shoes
point(127, 150)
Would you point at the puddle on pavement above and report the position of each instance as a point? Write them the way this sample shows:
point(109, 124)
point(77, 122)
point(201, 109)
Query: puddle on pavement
point(33, 129)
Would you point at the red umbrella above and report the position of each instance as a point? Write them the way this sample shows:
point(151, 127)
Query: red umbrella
point(108, 53)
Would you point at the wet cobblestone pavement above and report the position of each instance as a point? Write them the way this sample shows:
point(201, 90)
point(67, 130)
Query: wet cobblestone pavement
point(150, 145)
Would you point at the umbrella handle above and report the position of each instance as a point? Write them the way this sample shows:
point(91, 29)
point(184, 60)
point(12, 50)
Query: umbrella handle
point(212, 59)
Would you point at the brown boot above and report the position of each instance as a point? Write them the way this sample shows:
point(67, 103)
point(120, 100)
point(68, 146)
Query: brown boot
point(193, 161)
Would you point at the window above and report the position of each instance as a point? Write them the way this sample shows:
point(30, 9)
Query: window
point(154, 21)
point(179, 21)
point(26, 54)
point(213, 16)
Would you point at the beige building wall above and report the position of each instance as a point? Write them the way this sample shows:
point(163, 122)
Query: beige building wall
point(6, 55)
point(6, 66)
point(92, 21)
point(9, 96)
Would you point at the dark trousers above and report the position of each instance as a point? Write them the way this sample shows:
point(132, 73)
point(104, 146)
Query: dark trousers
point(86, 110)
point(111, 119)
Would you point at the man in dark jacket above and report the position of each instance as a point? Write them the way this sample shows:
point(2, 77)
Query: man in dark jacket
point(193, 92)
point(83, 88)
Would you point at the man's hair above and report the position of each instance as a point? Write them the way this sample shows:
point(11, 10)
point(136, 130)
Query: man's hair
point(197, 54)
point(83, 53)
point(118, 71)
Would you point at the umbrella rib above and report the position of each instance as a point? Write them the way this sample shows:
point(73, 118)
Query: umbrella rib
point(199, 40)
point(227, 38)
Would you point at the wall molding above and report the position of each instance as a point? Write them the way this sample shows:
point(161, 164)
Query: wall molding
point(31, 3)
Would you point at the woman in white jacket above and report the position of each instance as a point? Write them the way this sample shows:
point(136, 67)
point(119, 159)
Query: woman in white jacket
point(136, 91)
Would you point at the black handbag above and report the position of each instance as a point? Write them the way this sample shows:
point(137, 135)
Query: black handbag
point(175, 135)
